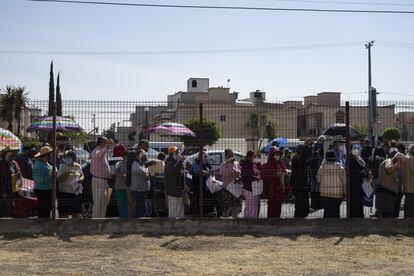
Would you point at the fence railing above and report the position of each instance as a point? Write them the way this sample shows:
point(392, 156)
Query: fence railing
point(221, 157)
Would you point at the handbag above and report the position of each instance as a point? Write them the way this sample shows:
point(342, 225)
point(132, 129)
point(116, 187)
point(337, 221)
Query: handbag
point(257, 187)
point(235, 188)
point(213, 184)
point(368, 199)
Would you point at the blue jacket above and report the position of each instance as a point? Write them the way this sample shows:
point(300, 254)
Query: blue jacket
point(42, 175)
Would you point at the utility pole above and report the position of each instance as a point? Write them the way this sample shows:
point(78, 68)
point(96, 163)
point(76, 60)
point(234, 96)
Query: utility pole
point(372, 98)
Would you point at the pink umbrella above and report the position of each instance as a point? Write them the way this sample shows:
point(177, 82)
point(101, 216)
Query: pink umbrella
point(172, 129)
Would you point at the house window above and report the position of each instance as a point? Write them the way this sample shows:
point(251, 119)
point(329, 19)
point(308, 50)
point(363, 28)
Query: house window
point(340, 117)
point(194, 84)
point(222, 118)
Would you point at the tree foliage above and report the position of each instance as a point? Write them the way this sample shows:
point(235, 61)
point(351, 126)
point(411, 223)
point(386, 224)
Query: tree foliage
point(12, 103)
point(391, 133)
point(110, 133)
point(211, 132)
point(51, 91)
point(6, 106)
point(131, 136)
point(363, 130)
point(58, 97)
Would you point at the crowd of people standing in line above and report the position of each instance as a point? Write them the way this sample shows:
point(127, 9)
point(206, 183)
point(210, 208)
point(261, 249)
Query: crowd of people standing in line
point(316, 179)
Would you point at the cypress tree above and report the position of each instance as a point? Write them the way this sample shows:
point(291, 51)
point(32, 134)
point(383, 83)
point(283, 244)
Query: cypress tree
point(51, 90)
point(58, 97)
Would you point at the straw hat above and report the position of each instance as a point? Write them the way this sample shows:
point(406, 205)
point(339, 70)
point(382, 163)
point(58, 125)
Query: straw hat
point(43, 151)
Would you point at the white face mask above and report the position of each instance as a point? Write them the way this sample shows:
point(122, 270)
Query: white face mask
point(277, 157)
point(355, 152)
point(256, 160)
point(176, 156)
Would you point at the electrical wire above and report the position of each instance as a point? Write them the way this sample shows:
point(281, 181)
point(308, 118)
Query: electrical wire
point(182, 52)
point(347, 3)
point(246, 8)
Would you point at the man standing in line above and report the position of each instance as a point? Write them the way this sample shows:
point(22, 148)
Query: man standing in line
point(101, 173)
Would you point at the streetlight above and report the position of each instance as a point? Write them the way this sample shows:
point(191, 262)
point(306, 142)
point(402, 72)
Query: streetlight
point(146, 109)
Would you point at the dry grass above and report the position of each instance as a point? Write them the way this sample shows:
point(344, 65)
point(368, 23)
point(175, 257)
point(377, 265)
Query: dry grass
point(208, 255)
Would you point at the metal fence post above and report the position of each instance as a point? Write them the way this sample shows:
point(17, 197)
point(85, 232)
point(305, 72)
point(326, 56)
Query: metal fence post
point(54, 159)
point(348, 164)
point(201, 141)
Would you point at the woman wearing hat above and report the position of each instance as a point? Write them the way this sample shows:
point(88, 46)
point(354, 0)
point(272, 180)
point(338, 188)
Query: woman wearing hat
point(42, 176)
point(272, 173)
point(331, 177)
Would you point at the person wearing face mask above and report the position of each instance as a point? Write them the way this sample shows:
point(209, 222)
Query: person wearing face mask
point(299, 182)
point(340, 151)
point(201, 169)
point(140, 184)
point(42, 176)
point(101, 173)
point(388, 188)
point(70, 176)
point(228, 172)
point(359, 172)
point(174, 183)
point(272, 173)
point(121, 189)
point(9, 172)
point(250, 172)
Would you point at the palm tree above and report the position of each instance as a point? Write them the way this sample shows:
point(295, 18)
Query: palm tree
point(20, 102)
point(6, 106)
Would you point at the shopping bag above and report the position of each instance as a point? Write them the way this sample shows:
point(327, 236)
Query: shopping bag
point(235, 189)
point(213, 184)
point(257, 187)
point(368, 198)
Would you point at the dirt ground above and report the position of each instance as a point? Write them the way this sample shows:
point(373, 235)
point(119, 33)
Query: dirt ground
point(207, 255)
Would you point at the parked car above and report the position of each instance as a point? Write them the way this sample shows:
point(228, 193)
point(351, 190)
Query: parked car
point(215, 157)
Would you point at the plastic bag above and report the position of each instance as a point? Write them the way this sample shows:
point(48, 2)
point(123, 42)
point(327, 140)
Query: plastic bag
point(368, 193)
point(213, 184)
point(235, 189)
point(257, 187)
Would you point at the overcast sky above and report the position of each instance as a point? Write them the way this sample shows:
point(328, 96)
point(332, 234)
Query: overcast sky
point(283, 74)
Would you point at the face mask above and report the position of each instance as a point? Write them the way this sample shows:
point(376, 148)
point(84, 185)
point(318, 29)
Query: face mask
point(176, 156)
point(277, 157)
point(68, 161)
point(355, 152)
point(256, 160)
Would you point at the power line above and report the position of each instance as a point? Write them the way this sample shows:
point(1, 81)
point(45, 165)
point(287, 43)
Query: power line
point(246, 8)
point(347, 3)
point(180, 52)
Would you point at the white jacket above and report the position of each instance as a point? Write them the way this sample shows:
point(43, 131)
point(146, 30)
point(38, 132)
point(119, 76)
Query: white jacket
point(332, 180)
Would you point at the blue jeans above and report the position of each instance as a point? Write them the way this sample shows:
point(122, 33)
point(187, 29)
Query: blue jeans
point(122, 200)
point(141, 204)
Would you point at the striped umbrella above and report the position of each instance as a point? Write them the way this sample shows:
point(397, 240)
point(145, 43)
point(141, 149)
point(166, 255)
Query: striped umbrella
point(9, 140)
point(172, 129)
point(46, 124)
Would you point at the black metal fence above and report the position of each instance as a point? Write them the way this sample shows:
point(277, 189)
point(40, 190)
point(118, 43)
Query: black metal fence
point(312, 159)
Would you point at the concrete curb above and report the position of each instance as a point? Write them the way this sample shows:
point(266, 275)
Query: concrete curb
point(164, 226)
